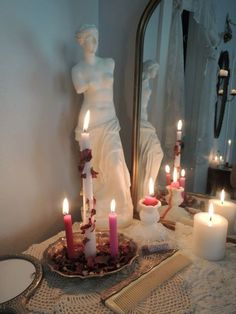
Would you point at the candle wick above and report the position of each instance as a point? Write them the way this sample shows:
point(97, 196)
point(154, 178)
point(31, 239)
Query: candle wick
point(210, 218)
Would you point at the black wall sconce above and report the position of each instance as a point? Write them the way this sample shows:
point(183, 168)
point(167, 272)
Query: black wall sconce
point(222, 91)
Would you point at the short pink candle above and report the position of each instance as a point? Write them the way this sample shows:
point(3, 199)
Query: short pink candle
point(150, 200)
point(113, 230)
point(68, 230)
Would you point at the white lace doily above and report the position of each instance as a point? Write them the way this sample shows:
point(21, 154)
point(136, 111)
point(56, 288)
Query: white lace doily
point(57, 294)
point(211, 286)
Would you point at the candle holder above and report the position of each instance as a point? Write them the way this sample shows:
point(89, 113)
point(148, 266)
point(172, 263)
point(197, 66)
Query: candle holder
point(149, 229)
point(175, 196)
point(172, 211)
point(56, 258)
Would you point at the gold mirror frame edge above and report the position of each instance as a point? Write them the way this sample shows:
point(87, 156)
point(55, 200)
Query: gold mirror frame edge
point(139, 43)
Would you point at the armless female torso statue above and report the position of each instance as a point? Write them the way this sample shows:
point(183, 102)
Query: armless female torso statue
point(150, 151)
point(94, 78)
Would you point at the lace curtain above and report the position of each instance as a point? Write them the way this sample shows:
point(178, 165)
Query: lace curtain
point(201, 67)
point(187, 96)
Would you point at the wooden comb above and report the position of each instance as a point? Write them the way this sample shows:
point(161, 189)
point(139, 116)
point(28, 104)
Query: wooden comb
point(127, 297)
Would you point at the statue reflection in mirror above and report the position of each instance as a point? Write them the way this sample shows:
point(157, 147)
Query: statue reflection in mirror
point(150, 151)
point(93, 77)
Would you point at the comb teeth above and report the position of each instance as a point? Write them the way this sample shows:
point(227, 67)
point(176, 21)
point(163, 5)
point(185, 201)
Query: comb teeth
point(139, 289)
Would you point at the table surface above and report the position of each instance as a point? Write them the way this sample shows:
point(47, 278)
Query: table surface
point(211, 285)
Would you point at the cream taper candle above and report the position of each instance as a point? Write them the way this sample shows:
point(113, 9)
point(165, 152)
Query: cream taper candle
point(87, 177)
point(227, 159)
point(88, 199)
point(177, 151)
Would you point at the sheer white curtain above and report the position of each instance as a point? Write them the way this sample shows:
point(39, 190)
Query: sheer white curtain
point(188, 96)
point(200, 82)
point(174, 87)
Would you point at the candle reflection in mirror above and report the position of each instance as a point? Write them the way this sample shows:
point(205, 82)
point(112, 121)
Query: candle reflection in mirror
point(179, 130)
point(227, 159)
point(182, 178)
point(168, 178)
point(175, 184)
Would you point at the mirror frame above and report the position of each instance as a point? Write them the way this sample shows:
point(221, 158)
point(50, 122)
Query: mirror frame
point(138, 67)
point(16, 304)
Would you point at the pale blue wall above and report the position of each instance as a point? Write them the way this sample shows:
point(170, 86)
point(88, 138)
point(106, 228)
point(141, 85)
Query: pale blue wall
point(118, 22)
point(38, 113)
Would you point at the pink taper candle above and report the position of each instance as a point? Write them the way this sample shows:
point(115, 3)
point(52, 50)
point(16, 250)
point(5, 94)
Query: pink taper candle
point(68, 229)
point(113, 230)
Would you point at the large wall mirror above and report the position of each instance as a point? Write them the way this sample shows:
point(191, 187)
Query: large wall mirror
point(177, 50)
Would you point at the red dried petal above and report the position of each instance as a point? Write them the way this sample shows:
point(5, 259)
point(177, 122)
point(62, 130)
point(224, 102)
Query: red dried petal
point(85, 240)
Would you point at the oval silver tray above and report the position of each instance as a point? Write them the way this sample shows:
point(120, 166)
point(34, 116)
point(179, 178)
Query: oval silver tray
point(54, 256)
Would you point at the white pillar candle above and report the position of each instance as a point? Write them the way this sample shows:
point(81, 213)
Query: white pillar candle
point(228, 151)
point(226, 209)
point(209, 235)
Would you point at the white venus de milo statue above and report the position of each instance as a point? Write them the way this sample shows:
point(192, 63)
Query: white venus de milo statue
point(93, 77)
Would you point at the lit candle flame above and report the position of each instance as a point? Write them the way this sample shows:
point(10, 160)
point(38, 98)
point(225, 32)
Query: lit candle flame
point(86, 121)
point(167, 169)
point(113, 205)
point(179, 125)
point(210, 212)
point(222, 196)
point(182, 173)
point(175, 175)
point(151, 186)
point(229, 142)
point(216, 158)
point(221, 158)
point(65, 209)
